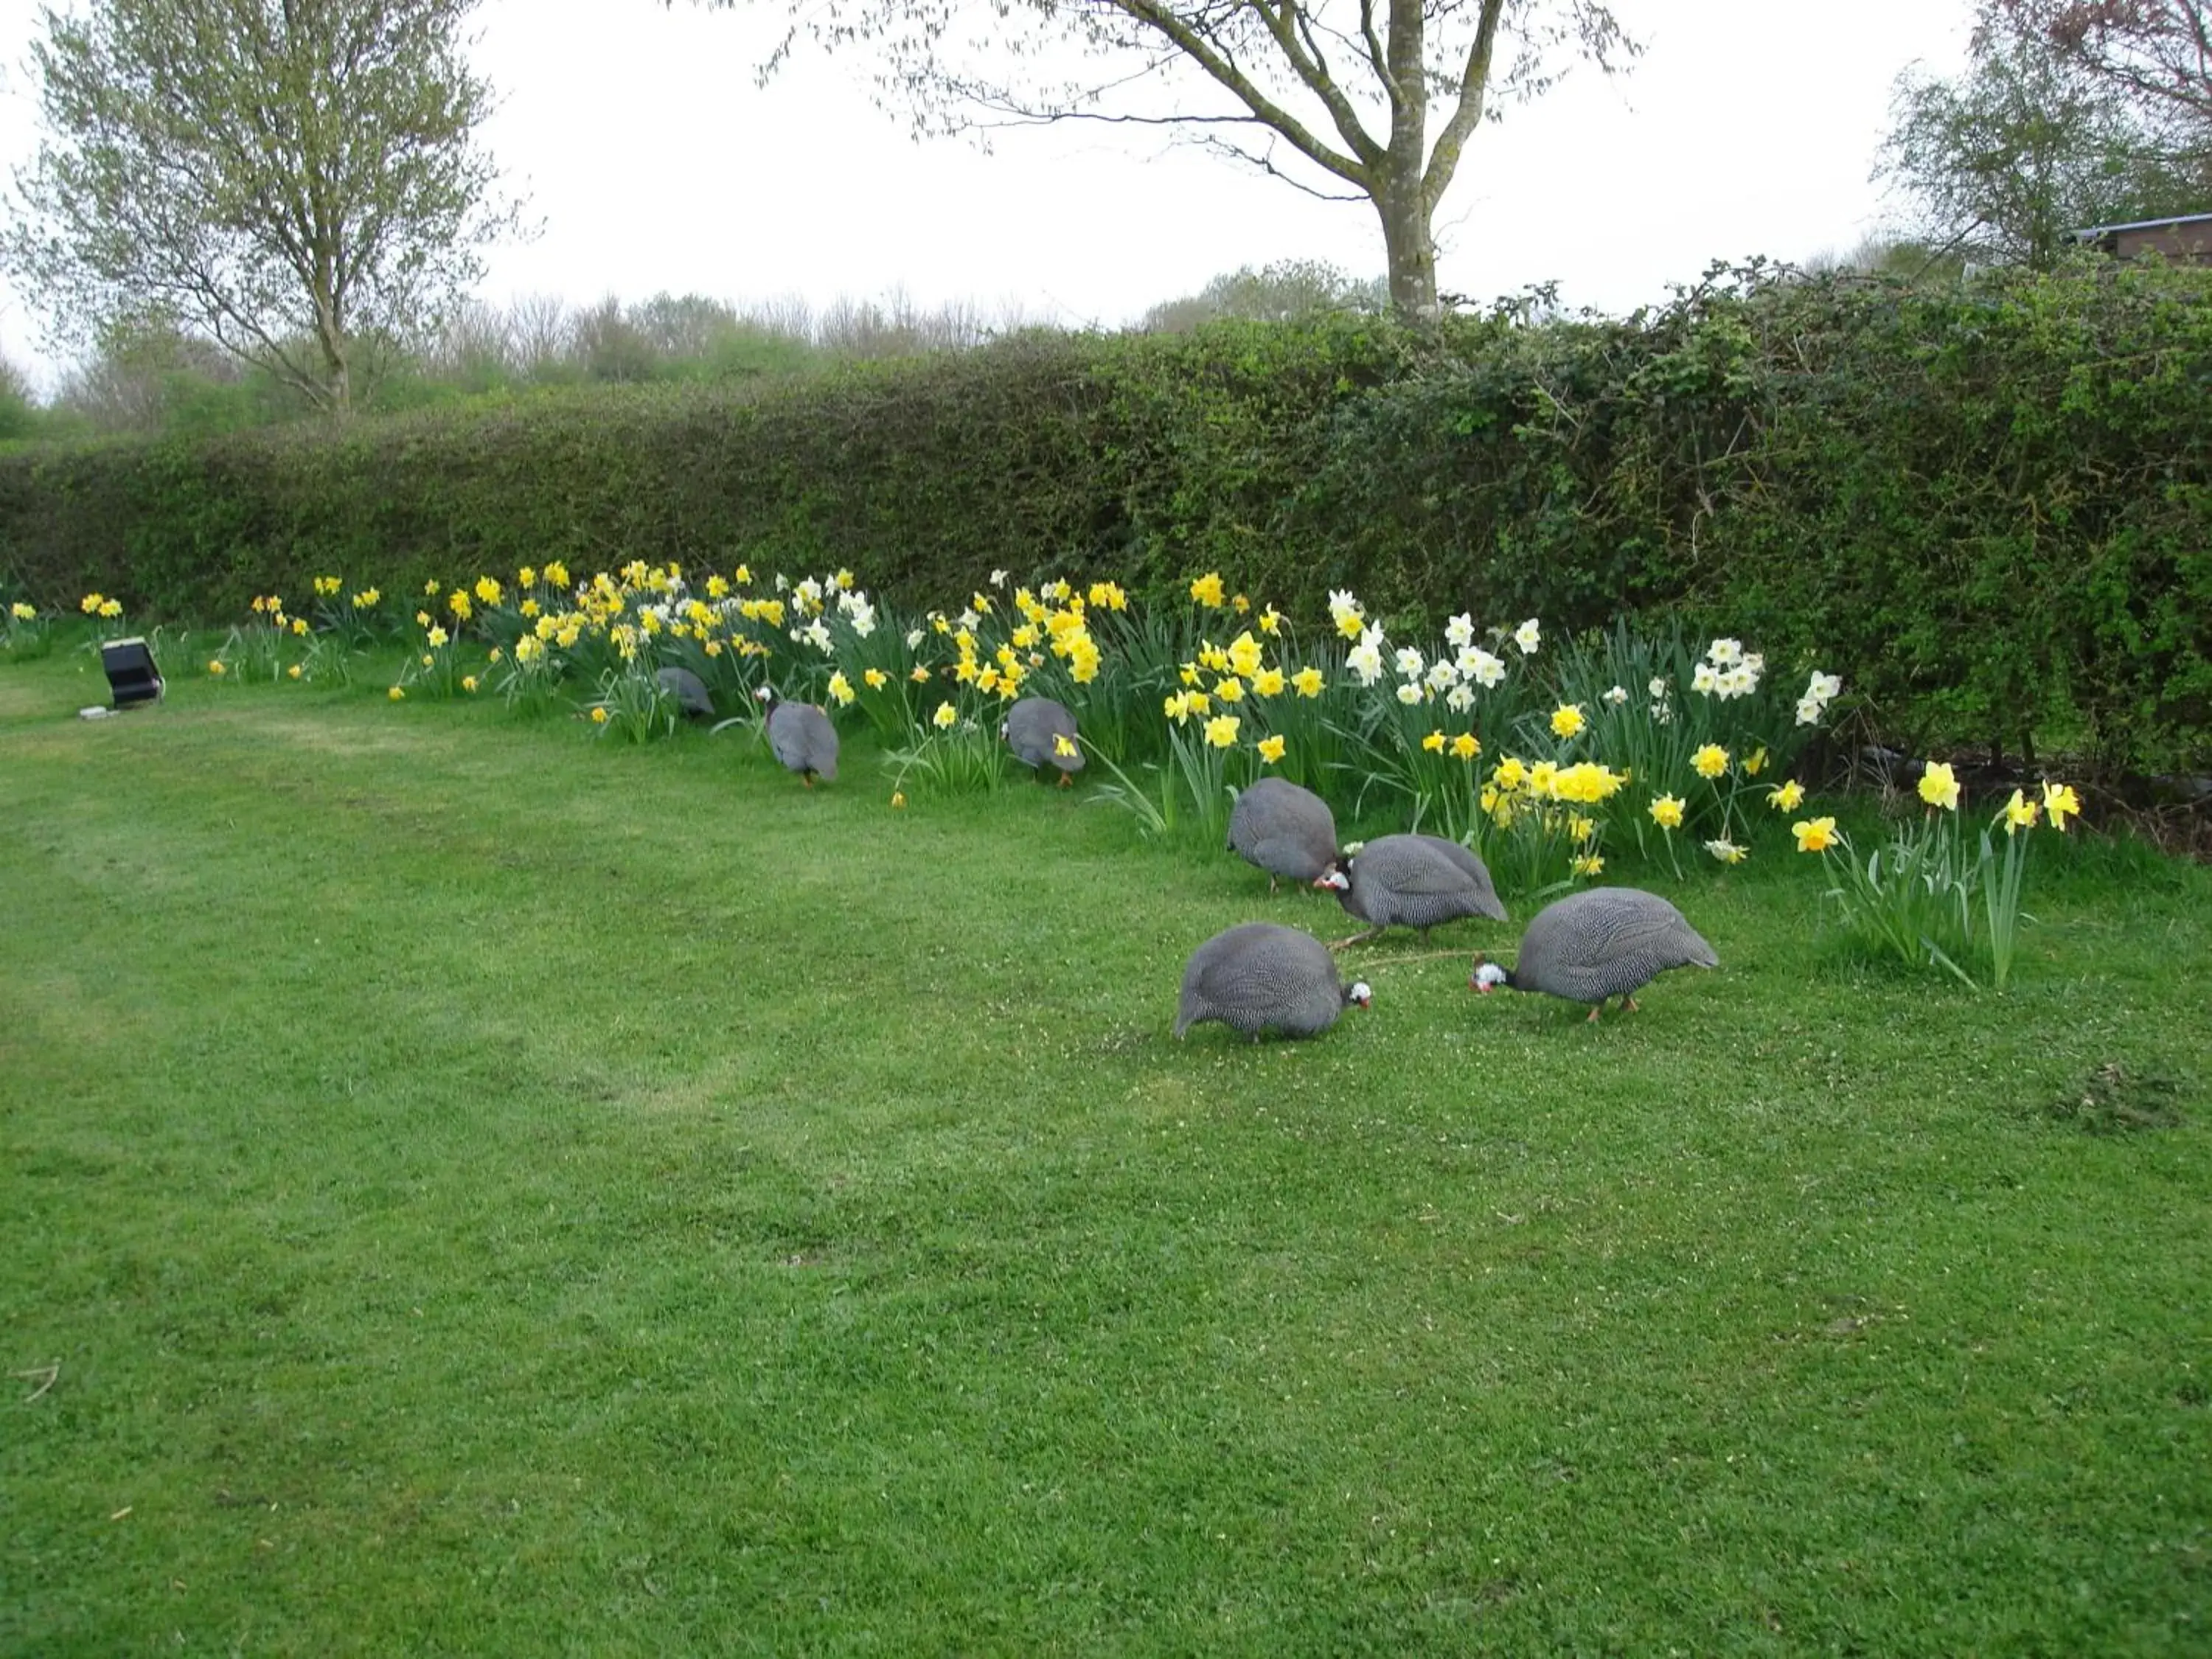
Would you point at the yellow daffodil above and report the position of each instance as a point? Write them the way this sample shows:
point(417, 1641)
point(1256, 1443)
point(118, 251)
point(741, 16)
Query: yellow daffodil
point(840, 688)
point(397, 694)
point(468, 681)
point(1221, 731)
point(555, 573)
point(1580, 829)
point(487, 590)
point(1351, 624)
point(1587, 864)
point(1814, 834)
point(367, 597)
point(898, 798)
point(1510, 773)
point(1710, 762)
point(1206, 590)
point(217, 669)
point(1308, 682)
point(295, 671)
point(437, 637)
point(877, 679)
point(1755, 762)
point(1786, 799)
point(599, 715)
point(920, 676)
point(1240, 604)
point(1466, 745)
point(90, 603)
point(1230, 689)
point(430, 588)
point(111, 609)
point(1726, 851)
point(1434, 742)
point(945, 717)
point(20, 611)
point(1244, 654)
point(1939, 786)
point(2020, 813)
point(1567, 720)
point(1271, 622)
point(460, 605)
point(1271, 749)
point(1267, 683)
point(1667, 811)
point(2060, 802)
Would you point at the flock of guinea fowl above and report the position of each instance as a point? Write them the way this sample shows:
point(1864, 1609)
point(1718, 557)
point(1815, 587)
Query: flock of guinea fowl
point(1260, 977)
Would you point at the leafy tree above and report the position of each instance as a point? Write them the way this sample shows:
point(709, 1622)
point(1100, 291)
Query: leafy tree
point(2006, 161)
point(1337, 97)
point(2157, 54)
point(296, 179)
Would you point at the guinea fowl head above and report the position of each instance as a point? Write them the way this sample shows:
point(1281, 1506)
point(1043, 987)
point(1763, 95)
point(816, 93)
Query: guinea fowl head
point(1334, 878)
point(1487, 977)
point(1357, 994)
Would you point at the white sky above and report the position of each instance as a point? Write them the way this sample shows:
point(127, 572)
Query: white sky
point(653, 162)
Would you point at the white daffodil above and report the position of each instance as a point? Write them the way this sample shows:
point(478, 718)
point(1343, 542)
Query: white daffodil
point(1723, 652)
point(1410, 662)
point(1617, 696)
point(1460, 630)
point(1460, 698)
point(1410, 693)
point(1529, 636)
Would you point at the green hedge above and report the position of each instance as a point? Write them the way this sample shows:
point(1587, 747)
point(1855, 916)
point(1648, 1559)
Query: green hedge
point(1988, 509)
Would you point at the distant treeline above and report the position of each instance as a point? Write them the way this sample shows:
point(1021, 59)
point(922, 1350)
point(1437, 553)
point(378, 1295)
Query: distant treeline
point(1986, 504)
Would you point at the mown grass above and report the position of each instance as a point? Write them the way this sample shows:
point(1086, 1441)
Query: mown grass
point(487, 1191)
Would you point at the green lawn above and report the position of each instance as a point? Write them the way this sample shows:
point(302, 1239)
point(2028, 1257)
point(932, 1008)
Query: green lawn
point(487, 1191)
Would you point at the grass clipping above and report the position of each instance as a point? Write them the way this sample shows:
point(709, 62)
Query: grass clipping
point(2113, 1100)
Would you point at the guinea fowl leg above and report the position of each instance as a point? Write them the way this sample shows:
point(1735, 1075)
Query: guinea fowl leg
point(1628, 1004)
point(1066, 782)
point(1595, 1009)
point(1357, 938)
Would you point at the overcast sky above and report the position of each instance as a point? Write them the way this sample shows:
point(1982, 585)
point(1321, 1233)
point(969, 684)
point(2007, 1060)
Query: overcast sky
point(653, 162)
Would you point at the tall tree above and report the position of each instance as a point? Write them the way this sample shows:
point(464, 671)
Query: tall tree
point(2005, 162)
point(297, 180)
point(2155, 53)
point(1350, 99)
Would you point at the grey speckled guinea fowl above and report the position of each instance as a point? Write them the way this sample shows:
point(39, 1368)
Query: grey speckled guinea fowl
point(1413, 881)
point(1284, 829)
point(804, 740)
point(688, 690)
point(1042, 734)
point(1260, 977)
point(1603, 941)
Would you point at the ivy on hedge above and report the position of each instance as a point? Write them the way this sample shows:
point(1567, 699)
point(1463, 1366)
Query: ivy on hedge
point(1989, 507)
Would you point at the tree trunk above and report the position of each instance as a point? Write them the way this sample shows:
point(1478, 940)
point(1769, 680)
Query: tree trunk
point(1410, 250)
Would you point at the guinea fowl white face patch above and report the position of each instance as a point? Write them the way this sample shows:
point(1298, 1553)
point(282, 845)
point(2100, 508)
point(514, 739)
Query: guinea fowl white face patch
point(1360, 994)
point(1336, 880)
point(1488, 975)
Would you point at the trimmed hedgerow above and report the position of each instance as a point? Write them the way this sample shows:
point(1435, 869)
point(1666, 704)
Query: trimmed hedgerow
point(1990, 507)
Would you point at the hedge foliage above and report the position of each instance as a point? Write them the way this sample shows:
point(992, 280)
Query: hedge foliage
point(1989, 507)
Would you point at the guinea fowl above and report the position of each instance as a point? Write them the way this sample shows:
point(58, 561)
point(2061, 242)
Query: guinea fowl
point(802, 737)
point(1283, 830)
point(1041, 732)
point(1417, 881)
point(1260, 977)
point(688, 690)
point(1603, 941)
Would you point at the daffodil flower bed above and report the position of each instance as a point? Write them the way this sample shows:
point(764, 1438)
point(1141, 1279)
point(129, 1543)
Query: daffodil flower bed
point(1541, 756)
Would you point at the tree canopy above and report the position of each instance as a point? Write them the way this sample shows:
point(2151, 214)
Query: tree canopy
point(2007, 161)
point(297, 180)
point(1354, 99)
